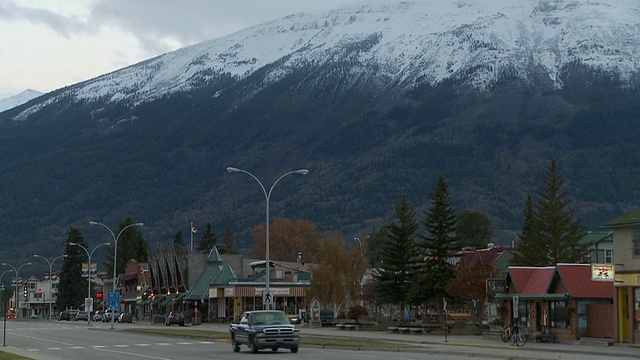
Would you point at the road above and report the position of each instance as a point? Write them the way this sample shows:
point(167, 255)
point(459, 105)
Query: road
point(69, 340)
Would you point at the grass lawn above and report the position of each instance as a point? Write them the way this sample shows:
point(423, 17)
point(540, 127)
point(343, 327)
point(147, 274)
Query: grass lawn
point(10, 356)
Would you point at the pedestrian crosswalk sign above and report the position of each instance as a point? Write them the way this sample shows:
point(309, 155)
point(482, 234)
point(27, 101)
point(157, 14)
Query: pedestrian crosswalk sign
point(267, 298)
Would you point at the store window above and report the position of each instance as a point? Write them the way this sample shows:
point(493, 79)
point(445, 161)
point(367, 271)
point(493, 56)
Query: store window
point(558, 315)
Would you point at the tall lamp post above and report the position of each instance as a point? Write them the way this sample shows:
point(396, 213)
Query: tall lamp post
point(89, 254)
point(50, 280)
point(17, 272)
point(115, 256)
point(267, 196)
point(4, 310)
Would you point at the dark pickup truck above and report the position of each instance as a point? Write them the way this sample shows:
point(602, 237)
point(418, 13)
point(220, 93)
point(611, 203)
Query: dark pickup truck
point(264, 329)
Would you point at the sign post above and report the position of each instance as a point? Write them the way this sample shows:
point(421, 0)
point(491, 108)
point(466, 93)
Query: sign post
point(516, 304)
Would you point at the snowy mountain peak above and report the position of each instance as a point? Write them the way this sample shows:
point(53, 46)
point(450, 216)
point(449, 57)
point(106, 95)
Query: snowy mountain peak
point(21, 98)
point(407, 43)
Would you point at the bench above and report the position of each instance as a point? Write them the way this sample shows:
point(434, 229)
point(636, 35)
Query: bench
point(393, 329)
point(340, 326)
point(415, 330)
point(403, 330)
point(349, 327)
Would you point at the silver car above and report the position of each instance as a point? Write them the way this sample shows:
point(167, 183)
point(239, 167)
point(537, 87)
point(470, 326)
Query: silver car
point(98, 315)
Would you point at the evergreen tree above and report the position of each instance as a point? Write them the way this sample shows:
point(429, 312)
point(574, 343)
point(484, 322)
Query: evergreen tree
point(398, 256)
point(530, 252)
point(559, 233)
point(208, 241)
point(228, 241)
point(177, 239)
point(473, 229)
point(72, 287)
point(131, 245)
point(438, 246)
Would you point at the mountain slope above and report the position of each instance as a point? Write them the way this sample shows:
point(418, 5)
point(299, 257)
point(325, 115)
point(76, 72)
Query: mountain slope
point(376, 101)
point(19, 99)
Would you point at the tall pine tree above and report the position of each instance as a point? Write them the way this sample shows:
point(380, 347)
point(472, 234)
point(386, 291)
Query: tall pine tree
point(208, 241)
point(438, 246)
point(398, 257)
point(72, 287)
point(228, 241)
point(558, 227)
point(529, 250)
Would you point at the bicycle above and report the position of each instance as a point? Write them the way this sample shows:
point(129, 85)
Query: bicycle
point(505, 334)
point(517, 337)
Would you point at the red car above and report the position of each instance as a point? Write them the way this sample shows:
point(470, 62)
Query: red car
point(174, 318)
point(12, 316)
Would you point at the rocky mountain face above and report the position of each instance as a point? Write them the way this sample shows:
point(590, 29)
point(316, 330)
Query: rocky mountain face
point(376, 101)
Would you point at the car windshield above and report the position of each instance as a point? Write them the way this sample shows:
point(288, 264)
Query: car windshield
point(270, 318)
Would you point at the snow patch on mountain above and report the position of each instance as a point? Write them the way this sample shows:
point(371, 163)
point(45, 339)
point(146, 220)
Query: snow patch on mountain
point(406, 42)
point(19, 99)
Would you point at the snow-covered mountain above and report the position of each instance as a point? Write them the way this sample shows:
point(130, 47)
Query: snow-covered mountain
point(377, 101)
point(13, 101)
point(400, 44)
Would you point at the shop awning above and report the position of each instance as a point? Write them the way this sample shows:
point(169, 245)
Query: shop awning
point(158, 299)
point(533, 296)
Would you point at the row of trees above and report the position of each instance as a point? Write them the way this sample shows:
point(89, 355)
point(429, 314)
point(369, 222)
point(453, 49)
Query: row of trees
point(414, 258)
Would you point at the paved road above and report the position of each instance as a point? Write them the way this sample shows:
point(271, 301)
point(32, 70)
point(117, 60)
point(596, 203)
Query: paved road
point(54, 341)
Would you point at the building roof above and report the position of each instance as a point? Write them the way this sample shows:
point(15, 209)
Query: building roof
point(629, 218)
point(531, 280)
point(214, 273)
point(596, 237)
point(577, 280)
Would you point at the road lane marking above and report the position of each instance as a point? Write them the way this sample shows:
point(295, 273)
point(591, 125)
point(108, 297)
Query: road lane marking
point(130, 354)
point(76, 347)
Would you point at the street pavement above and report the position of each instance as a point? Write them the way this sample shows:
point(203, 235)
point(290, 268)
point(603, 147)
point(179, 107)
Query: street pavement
point(472, 345)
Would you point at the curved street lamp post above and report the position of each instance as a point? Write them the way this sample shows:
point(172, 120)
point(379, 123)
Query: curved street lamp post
point(50, 280)
point(115, 255)
point(267, 196)
point(4, 311)
point(17, 272)
point(89, 254)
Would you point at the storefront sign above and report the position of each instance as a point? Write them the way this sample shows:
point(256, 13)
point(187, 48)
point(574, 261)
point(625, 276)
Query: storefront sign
point(602, 272)
point(274, 291)
point(496, 286)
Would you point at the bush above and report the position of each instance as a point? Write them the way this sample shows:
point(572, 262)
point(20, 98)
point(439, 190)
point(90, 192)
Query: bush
point(357, 311)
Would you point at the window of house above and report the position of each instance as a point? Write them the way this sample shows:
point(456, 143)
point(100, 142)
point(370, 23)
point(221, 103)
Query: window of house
point(558, 315)
point(599, 257)
point(636, 242)
point(608, 256)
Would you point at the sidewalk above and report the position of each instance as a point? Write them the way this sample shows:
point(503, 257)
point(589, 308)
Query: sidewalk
point(472, 345)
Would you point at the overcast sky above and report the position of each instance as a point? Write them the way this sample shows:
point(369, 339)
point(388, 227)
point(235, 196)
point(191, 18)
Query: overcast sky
point(49, 44)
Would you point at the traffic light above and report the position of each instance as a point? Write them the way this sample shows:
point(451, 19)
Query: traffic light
point(26, 293)
point(99, 295)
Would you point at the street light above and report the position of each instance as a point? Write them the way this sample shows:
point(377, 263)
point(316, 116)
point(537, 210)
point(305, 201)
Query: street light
point(89, 254)
point(17, 272)
point(50, 280)
point(115, 255)
point(267, 196)
point(4, 310)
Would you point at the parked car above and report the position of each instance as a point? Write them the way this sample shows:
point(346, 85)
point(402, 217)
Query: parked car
point(174, 317)
point(125, 318)
point(82, 315)
point(12, 315)
point(64, 315)
point(98, 315)
point(107, 315)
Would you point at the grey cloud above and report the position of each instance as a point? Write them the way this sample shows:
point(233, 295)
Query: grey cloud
point(64, 26)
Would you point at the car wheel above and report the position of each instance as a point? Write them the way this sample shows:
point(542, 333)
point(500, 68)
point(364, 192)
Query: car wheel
point(234, 344)
point(253, 345)
point(274, 349)
point(294, 349)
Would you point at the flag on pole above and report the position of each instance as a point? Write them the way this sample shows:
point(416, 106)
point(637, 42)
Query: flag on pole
point(194, 230)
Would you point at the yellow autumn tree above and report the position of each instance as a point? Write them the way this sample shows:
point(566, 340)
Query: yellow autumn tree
point(335, 280)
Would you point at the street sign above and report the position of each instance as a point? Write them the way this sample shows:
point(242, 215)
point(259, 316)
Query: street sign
point(267, 298)
point(88, 305)
point(516, 304)
point(114, 300)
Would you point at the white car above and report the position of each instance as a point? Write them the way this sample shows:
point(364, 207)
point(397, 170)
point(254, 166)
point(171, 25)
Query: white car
point(98, 315)
point(107, 315)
